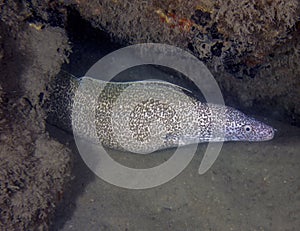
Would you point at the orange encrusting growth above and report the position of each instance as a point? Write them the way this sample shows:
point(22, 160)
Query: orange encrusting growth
point(174, 21)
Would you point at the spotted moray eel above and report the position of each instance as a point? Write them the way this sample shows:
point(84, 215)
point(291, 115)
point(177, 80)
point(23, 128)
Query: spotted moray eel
point(144, 116)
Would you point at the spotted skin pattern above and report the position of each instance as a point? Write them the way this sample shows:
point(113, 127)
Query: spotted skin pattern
point(145, 113)
point(145, 116)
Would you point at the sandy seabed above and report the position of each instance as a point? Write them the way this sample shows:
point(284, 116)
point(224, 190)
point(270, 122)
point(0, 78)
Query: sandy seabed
point(251, 186)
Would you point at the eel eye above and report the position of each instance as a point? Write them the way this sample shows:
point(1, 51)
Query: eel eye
point(247, 128)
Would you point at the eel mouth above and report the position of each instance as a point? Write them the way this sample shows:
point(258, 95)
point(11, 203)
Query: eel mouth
point(269, 134)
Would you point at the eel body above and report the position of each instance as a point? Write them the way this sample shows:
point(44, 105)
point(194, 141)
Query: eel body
point(145, 116)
